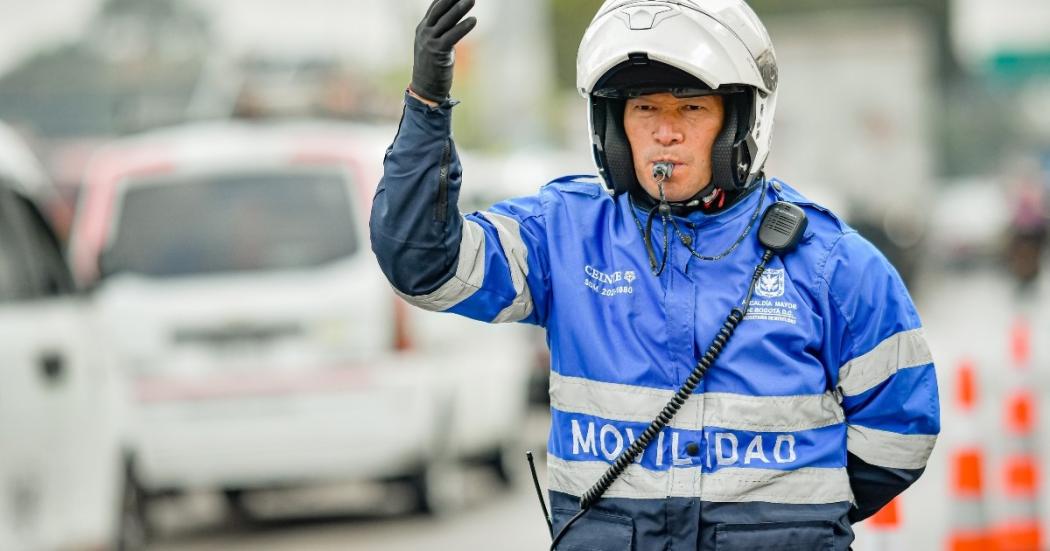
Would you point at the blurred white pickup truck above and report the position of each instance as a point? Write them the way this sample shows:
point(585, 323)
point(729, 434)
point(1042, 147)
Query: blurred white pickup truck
point(264, 349)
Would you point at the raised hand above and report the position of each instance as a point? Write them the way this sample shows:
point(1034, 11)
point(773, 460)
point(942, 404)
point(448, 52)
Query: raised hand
point(436, 36)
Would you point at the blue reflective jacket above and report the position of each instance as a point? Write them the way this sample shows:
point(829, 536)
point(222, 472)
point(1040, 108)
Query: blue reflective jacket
point(821, 409)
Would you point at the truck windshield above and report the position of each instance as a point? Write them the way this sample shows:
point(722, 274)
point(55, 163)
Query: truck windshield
point(237, 222)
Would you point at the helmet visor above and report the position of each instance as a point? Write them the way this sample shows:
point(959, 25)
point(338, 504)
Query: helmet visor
point(676, 91)
point(639, 76)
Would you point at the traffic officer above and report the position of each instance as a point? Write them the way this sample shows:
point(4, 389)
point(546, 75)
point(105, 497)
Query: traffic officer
point(821, 407)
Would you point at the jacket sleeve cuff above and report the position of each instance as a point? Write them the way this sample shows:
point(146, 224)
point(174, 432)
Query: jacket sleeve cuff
point(443, 108)
point(874, 487)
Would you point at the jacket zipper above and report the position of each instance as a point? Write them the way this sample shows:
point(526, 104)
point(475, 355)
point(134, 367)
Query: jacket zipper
point(441, 210)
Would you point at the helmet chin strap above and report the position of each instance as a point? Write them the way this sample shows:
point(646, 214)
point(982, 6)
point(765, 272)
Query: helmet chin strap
point(710, 195)
point(702, 199)
point(707, 196)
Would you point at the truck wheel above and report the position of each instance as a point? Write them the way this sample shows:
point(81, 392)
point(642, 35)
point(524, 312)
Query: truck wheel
point(438, 487)
point(237, 510)
point(506, 463)
point(134, 530)
point(439, 484)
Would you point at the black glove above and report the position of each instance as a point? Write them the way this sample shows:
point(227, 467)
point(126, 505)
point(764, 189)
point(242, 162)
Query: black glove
point(436, 36)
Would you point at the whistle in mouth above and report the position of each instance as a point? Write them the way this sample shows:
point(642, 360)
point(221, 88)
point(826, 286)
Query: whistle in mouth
point(662, 171)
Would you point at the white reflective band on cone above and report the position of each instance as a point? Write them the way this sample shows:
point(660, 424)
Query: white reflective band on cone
point(968, 514)
point(1016, 509)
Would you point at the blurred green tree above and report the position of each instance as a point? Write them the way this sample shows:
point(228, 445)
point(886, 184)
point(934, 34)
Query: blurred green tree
point(569, 18)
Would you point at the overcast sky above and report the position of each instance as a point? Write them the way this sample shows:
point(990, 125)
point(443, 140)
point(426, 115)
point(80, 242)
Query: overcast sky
point(29, 24)
point(370, 31)
point(365, 30)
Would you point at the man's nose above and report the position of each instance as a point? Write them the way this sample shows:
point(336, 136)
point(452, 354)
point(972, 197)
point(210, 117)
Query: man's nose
point(666, 132)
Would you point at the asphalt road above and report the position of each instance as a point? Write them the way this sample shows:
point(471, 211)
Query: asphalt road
point(507, 520)
point(492, 516)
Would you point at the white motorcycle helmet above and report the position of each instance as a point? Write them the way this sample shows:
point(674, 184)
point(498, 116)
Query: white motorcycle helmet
point(688, 48)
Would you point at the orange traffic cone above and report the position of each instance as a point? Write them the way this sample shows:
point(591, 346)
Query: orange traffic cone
point(968, 530)
point(885, 526)
point(1018, 527)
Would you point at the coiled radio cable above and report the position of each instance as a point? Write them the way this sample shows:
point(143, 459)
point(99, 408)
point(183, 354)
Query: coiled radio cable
point(714, 350)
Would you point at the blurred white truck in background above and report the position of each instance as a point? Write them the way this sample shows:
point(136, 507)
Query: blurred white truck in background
point(263, 347)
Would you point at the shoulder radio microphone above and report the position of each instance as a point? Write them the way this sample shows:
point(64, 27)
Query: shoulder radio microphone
point(782, 227)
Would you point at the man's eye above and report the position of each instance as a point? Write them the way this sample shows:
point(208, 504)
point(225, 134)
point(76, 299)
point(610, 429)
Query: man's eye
point(694, 107)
